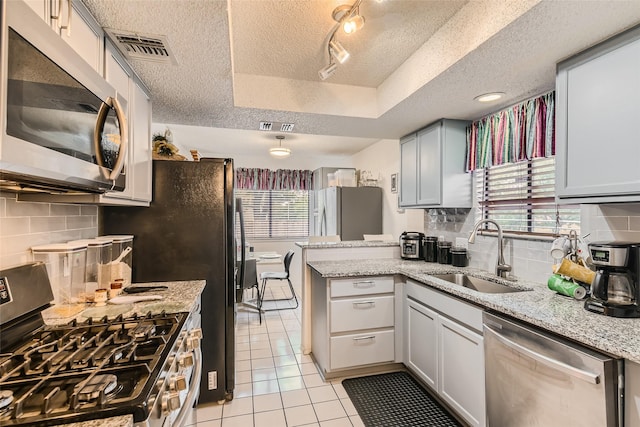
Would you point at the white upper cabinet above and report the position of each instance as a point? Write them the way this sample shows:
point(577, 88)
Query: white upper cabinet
point(136, 102)
point(597, 113)
point(75, 25)
point(432, 172)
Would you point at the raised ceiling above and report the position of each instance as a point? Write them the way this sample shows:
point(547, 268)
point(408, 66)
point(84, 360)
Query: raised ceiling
point(244, 61)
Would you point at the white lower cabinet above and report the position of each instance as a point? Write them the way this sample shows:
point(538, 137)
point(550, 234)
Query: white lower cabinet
point(444, 348)
point(421, 331)
point(353, 323)
point(632, 394)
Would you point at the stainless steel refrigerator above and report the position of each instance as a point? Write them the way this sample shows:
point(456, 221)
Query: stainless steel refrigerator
point(349, 212)
point(187, 233)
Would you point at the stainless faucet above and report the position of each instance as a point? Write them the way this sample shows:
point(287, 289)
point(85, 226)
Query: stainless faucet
point(502, 268)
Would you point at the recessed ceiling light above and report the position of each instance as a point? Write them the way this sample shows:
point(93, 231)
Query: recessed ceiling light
point(488, 97)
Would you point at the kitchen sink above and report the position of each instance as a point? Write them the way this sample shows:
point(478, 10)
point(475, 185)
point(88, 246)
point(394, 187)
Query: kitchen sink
point(476, 283)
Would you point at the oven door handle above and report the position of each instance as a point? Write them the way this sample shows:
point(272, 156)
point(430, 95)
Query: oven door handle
point(193, 391)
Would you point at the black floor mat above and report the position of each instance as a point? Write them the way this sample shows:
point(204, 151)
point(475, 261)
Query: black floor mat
point(395, 399)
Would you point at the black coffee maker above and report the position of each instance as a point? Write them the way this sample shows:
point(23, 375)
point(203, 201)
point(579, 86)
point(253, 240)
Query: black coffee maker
point(615, 291)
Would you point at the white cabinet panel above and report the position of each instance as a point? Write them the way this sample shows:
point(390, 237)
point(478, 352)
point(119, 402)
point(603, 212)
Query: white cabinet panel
point(597, 150)
point(362, 349)
point(362, 313)
point(462, 370)
point(408, 171)
point(632, 394)
point(141, 145)
point(421, 342)
point(429, 161)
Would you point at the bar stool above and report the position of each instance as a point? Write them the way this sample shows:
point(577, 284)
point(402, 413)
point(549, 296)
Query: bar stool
point(277, 275)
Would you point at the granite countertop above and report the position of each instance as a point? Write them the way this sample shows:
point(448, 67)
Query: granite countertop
point(120, 421)
point(347, 244)
point(178, 297)
point(538, 305)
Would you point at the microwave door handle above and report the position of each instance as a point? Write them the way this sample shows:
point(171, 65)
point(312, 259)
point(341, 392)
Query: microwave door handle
point(102, 117)
point(587, 376)
point(124, 140)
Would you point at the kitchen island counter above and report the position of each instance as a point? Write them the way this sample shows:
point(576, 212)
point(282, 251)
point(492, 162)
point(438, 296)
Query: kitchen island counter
point(537, 305)
point(180, 296)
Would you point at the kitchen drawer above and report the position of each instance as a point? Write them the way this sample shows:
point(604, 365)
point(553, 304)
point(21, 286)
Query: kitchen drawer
point(361, 286)
point(362, 349)
point(362, 313)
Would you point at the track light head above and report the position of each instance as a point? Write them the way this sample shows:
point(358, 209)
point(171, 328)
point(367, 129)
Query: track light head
point(339, 53)
point(328, 71)
point(353, 24)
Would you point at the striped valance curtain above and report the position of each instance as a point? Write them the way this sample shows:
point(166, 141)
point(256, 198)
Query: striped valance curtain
point(267, 179)
point(522, 132)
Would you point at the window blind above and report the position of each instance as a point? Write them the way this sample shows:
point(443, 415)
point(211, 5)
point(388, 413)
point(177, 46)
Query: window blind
point(272, 214)
point(521, 198)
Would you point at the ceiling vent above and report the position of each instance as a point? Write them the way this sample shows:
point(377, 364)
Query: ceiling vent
point(286, 127)
point(145, 47)
point(273, 126)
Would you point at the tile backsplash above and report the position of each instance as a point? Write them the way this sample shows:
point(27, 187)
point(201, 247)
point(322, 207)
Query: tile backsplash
point(530, 259)
point(27, 224)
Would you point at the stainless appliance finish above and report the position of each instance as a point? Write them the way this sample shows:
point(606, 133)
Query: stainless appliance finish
point(411, 245)
point(187, 233)
point(146, 366)
point(615, 290)
point(535, 379)
point(349, 212)
point(62, 127)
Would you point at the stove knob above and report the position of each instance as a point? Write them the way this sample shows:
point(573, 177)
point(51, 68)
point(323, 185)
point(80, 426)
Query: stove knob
point(178, 383)
point(185, 360)
point(170, 401)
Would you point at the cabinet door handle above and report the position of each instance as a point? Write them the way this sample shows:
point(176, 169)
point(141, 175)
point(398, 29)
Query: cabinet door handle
point(368, 337)
point(69, 9)
point(367, 303)
point(360, 284)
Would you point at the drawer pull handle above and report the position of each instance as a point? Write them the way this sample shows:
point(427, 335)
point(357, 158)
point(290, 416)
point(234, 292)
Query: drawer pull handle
point(368, 337)
point(361, 284)
point(367, 303)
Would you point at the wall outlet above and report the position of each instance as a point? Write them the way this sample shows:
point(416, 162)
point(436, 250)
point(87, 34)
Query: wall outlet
point(212, 380)
point(461, 242)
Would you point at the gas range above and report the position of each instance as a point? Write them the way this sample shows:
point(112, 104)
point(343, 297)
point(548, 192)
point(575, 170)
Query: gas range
point(142, 365)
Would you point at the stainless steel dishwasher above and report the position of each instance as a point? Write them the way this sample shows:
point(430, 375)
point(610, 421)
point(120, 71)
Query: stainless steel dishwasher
point(536, 379)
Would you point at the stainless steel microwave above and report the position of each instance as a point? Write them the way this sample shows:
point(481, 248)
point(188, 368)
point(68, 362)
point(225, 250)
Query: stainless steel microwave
point(62, 126)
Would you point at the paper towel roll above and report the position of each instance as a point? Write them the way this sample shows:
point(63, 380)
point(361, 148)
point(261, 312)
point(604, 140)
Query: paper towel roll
point(575, 271)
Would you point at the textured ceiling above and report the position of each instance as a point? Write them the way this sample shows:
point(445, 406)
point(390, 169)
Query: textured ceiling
point(243, 61)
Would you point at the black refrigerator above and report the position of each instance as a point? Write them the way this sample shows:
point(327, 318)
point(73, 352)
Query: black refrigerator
point(187, 233)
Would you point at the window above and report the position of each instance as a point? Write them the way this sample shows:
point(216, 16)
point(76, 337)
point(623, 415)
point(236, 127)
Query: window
point(273, 214)
point(521, 198)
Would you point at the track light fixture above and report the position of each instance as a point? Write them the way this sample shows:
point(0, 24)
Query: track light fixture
point(349, 19)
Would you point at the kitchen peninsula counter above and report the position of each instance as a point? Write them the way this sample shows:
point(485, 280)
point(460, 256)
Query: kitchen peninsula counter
point(180, 296)
point(335, 251)
point(537, 305)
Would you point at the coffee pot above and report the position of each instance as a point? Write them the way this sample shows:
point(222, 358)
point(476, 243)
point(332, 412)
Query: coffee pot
point(615, 288)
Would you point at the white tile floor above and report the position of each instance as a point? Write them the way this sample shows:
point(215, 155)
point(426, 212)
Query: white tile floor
point(276, 385)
